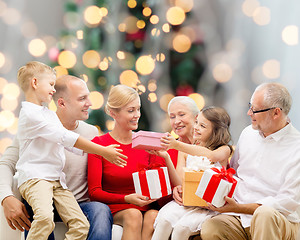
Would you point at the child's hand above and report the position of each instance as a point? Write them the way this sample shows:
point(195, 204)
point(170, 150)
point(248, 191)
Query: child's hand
point(114, 155)
point(168, 141)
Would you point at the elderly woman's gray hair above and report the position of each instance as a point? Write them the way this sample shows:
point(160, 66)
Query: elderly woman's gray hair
point(186, 101)
point(276, 95)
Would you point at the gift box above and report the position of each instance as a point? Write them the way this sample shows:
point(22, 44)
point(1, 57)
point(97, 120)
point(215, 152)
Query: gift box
point(153, 183)
point(215, 184)
point(147, 140)
point(191, 181)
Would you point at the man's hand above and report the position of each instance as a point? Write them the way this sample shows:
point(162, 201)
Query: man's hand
point(177, 194)
point(114, 155)
point(232, 206)
point(138, 199)
point(16, 214)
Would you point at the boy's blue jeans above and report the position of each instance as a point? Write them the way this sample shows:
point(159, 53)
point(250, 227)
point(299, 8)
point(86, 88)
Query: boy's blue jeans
point(99, 216)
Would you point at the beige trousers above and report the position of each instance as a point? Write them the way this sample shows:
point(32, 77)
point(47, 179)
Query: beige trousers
point(40, 195)
point(267, 223)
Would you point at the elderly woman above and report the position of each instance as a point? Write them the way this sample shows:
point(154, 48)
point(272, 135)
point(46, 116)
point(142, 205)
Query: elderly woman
point(182, 112)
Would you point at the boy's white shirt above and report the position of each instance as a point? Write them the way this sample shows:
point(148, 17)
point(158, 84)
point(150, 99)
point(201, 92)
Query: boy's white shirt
point(42, 139)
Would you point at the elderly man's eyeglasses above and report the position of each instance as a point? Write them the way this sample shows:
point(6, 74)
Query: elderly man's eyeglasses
point(259, 111)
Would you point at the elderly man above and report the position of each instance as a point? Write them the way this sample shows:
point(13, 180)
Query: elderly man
point(267, 161)
point(72, 101)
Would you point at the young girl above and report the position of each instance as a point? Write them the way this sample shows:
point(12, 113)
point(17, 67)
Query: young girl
point(211, 139)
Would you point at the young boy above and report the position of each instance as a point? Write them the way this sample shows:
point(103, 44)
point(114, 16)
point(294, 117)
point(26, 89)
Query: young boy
point(42, 139)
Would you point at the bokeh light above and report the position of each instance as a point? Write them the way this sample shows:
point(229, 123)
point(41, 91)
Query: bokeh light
point(37, 47)
point(152, 86)
point(152, 97)
point(2, 59)
point(249, 6)
point(129, 78)
point(164, 101)
point(131, 24)
point(110, 124)
point(140, 24)
point(175, 15)
point(67, 59)
point(11, 91)
point(52, 106)
point(199, 100)
point(131, 3)
point(145, 65)
point(271, 69)
point(147, 11)
point(11, 16)
point(92, 15)
point(60, 71)
point(290, 35)
point(154, 19)
point(3, 83)
point(186, 5)
point(160, 57)
point(262, 16)
point(222, 72)
point(9, 104)
point(29, 29)
point(91, 59)
point(79, 34)
point(181, 43)
point(7, 118)
point(97, 100)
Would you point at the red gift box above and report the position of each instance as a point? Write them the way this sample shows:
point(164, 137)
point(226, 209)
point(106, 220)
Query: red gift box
point(147, 140)
point(153, 183)
point(215, 184)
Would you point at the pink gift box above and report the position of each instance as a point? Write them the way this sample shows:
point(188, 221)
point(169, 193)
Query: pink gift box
point(147, 140)
point(153, 183)
point(215, 184)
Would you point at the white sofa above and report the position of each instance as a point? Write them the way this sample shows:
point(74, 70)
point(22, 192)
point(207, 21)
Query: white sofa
point(6, 233)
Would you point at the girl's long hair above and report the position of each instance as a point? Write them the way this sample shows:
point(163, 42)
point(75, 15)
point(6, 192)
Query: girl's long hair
point(220, 120)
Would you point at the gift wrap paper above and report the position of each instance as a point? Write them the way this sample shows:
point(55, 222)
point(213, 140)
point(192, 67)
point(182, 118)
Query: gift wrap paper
point(153, 183)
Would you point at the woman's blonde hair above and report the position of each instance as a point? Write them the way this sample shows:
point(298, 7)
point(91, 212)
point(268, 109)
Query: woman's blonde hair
point(220, 121)
point(119, 96)
point(31, 70)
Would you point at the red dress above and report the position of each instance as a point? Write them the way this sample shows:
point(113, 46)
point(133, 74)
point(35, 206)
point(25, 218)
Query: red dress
point(109, 183)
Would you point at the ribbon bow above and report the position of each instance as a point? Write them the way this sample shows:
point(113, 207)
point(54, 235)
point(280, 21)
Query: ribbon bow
point(144, 167)
point(225, 174)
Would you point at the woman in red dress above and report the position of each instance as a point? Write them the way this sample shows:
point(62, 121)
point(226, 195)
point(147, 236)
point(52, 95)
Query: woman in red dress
point(114, 185)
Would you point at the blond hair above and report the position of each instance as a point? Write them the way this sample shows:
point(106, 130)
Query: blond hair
point(31, 70)
point(119, 96)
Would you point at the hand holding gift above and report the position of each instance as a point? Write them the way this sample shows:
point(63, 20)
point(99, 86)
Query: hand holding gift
point(215, 184)
point(152, 182)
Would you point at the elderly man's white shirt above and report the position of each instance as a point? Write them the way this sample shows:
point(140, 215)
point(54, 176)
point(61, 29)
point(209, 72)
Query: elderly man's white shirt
point(269, 171)
point(42, 139)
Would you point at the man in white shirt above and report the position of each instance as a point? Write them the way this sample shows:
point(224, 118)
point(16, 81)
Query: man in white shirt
point(72, 100)
point(267, 161)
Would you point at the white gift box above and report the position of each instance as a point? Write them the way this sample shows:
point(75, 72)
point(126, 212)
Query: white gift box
point(153, 183)
point(212, 188)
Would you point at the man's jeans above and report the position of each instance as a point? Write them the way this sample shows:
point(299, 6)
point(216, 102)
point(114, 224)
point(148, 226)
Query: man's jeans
point(99, 216)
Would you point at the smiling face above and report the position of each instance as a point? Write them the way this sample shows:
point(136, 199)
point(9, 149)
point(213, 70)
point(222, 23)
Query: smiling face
point(202, 129)
point(182, 120)
point(127, 117)
point(77, 100)
point(44, 86)
point(260, 121)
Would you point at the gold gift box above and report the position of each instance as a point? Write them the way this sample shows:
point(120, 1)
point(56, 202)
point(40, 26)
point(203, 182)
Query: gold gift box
point(190, 184)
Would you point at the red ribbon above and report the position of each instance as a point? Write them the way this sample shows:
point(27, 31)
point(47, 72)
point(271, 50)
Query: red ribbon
point(143, 179)
point(215, 181)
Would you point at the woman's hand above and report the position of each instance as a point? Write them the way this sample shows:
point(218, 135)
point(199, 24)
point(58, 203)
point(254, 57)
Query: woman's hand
point(168, 141)
point(177, 194)
point(138, 199)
